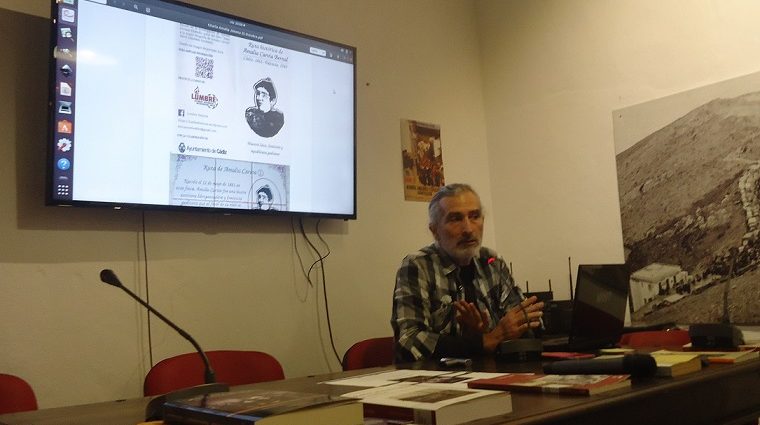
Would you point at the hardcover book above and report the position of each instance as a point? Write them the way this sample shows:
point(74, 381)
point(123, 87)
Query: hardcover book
point(263, 407)
point(676, 364)
point(430, 405)
point(722, 356)
point(554, 384)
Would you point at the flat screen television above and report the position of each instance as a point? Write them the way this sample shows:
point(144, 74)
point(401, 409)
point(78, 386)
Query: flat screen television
point(160, 104)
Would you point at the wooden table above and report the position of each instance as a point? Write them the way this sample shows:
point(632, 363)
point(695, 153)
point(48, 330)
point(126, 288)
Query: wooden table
point(718, 394)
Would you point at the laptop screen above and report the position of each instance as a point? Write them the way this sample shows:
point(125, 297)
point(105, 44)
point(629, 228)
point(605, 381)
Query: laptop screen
point(601, 295)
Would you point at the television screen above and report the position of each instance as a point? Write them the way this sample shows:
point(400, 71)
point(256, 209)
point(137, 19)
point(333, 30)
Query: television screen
point(159, 104)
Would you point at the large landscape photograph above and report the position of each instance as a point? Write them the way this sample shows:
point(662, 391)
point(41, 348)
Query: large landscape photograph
point(689, 186)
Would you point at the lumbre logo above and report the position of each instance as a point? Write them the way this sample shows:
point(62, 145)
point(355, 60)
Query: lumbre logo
point(209, 100)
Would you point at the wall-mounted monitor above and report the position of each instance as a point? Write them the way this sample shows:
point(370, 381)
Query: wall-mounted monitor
point(159, 104)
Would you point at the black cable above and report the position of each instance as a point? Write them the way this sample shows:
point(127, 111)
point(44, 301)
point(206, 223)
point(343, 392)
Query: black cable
point(314, 248)
point(298, 253)
point(324, 284)
point(319, 235)
point(147, 289)
point(321, 257)
point(320, 260)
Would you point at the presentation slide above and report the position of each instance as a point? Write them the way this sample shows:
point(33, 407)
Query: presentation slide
point(174, 114)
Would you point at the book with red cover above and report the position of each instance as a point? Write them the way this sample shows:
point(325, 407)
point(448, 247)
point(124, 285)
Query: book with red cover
point(555, 384)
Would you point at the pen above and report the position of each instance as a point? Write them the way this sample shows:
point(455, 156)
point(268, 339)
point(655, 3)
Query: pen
point(453, 361)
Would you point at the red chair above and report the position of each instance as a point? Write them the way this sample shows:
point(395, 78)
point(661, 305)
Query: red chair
point(371, 352)
point(231, 367)
point(16, 395)
point(655, 339)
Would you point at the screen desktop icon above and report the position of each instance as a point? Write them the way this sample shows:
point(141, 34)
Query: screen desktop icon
point(63, 190)
point(63, 164)
point(67, 34)
point(64, 107)
point(64, 144)
point(63, 53)
point(65, 89)
point(68, 15)
point(64, 127)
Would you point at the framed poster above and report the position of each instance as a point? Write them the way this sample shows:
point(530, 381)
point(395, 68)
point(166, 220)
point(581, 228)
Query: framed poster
point(422, 160)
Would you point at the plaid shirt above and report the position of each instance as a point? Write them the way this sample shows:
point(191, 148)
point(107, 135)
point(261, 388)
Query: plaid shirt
point(426, 287)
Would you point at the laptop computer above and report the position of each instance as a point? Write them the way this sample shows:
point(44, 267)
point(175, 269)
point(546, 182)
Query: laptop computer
point(598, 312)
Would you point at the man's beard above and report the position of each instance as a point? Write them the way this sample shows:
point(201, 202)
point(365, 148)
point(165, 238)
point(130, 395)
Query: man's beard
point(463, 254)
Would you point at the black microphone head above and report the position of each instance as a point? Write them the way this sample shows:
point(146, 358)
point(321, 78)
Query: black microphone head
point(109, 277)
point(639, 364)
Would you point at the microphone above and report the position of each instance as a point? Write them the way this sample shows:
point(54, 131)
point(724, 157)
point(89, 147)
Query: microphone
point(632, 364)
point(154, 409)
point(109, 277)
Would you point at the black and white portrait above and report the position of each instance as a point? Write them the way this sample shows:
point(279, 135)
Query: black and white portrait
point(263, 118)
point(264, 198)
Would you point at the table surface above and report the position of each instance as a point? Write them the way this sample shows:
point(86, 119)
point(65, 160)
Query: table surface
point(718, 394)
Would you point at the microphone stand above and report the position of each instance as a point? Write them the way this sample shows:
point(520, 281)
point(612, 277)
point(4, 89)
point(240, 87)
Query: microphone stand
point(154, 409)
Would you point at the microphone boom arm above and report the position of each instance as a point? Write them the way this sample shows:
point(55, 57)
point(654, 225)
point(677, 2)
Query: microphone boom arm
point(109, 277)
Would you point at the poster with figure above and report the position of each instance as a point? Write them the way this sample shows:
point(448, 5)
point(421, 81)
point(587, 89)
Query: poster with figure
point(688, 169)
point(422, 160)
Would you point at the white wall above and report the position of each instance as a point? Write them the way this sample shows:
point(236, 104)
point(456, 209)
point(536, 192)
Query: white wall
point(553, 72)
point(232, 282)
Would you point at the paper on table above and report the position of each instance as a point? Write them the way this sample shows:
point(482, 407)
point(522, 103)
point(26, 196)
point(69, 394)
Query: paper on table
point(383, 378)
point(443, 379)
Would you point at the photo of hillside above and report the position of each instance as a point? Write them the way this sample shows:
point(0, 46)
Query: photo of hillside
point(690, 212)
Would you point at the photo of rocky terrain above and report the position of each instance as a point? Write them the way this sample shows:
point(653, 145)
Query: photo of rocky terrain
point(690, 210)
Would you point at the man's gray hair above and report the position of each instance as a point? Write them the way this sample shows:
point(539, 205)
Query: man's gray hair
point(435, 213)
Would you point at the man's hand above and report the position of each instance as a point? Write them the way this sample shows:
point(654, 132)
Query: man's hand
point(522, 317)
point(472, 319)
point(519, 319)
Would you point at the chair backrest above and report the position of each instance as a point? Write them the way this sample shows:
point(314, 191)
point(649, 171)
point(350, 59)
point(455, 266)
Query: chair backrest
point(655, 339)
point(16, 395)
point(371, 352)
point(231, 367)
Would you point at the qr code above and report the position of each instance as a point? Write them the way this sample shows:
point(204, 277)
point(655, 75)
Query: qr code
point(204, 67)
